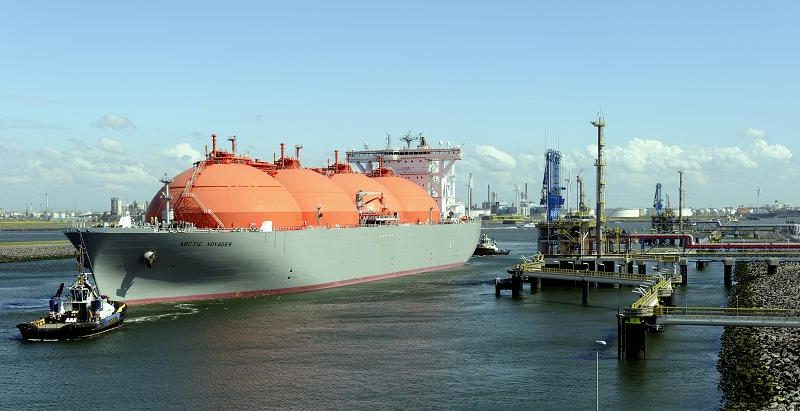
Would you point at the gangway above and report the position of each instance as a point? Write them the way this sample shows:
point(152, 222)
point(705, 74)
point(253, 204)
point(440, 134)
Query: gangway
point(535, 268)
point(741, 317)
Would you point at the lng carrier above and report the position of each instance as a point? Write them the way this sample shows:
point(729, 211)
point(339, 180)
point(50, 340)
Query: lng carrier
point(234, 226)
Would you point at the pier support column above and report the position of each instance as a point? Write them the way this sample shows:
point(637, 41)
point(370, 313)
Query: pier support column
point(536, 284)
point(516, 286)
point(642, 267)
point(728, 264)
point(629, 266)
point(684, 264)
point(772, 266)
point(585, 292)
point(631, 333)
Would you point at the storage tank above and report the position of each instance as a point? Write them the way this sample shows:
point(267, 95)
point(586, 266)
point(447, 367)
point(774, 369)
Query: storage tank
point(418, 206)
point(239, 196)
point(321, 201)
point(352, 183)
point(624, 213)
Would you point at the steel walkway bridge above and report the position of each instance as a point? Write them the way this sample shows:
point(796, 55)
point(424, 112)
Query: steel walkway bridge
point(737, 317)
point(600, 277)
point(536, 268)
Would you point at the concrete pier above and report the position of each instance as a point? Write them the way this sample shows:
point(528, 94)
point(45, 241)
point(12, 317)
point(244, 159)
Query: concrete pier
point(536, 284)
point(772, 266)
point(728, 263)
point(585, 292)
point(684, 266)
point(631, 337)
point(516, 286)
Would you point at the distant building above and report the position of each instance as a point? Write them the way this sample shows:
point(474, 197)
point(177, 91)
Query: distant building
point(116, 207)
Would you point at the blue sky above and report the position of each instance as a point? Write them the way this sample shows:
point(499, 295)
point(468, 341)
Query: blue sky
point(98, 99)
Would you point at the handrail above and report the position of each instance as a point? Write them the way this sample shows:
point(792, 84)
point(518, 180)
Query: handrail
point(726, 312)
point(651, 292)
point(596, 274)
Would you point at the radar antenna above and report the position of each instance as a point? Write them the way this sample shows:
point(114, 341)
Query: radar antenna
point(408, 138)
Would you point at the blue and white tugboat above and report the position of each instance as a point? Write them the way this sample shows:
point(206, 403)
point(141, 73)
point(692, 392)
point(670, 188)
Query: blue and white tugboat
point(84, 313)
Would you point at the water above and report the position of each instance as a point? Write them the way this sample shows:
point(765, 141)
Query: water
point(35, 235)
point(436, 340)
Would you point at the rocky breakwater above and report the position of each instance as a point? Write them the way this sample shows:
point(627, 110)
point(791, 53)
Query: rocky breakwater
point(760, 367)
point(40, 250)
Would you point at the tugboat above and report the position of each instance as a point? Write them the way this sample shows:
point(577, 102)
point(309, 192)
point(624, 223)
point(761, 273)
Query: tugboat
point(487, 246)
point(84, 313)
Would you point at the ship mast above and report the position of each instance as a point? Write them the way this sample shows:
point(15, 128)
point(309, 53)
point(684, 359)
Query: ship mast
point(165, 195)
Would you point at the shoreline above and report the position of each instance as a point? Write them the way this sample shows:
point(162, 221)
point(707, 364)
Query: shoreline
point(16, 252)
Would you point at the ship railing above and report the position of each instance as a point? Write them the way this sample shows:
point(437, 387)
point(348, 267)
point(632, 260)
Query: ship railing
point(186, 227)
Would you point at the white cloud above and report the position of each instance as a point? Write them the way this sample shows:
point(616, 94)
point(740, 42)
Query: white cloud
point(494, 159)
point(755, 133)
point(111, 146)
point(115, 122)
point(183, 152)
point(772, 151)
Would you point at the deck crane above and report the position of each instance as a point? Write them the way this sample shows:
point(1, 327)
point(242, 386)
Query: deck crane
point(551, 185)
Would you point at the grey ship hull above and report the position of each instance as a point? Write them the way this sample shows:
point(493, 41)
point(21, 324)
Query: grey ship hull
point(197, 264)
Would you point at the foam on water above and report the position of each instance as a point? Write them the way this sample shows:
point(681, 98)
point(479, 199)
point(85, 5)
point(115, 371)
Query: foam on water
point(185, 309)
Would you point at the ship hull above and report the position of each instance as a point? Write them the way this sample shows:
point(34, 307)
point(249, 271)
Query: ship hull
point(196, 265)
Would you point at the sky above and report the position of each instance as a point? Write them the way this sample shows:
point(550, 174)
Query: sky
point(100, 99)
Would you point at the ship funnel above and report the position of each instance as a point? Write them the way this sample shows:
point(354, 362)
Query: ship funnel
point(213, 145)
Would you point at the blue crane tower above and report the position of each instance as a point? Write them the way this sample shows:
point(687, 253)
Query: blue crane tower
point(658, 204)
point(551, 185)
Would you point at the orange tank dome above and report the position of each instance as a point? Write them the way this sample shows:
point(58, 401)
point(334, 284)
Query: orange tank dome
point(239, 195)
point(352, 183)
point(312, 192)
point(418, 205)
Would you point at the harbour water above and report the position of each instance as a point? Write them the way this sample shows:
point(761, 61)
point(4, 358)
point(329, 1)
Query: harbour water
point(434, 340)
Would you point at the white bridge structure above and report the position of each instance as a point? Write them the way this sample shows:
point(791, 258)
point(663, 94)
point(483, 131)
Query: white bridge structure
point(430, 168)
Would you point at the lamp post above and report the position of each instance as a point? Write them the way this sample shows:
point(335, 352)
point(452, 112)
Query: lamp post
point(598, 344)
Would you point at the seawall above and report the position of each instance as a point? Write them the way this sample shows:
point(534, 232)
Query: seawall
point(759, 367)
point(35, 250)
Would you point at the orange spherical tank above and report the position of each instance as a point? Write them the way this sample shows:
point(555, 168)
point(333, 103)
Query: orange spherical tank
point(322, 203)
point(352, 183)
point(417, 205)
point(238, 195)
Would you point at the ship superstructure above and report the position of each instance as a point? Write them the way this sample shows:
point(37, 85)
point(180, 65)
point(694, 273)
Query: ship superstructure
point(429, 167)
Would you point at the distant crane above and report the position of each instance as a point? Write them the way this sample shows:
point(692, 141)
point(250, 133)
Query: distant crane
point(551, 185)
point(658, 203)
